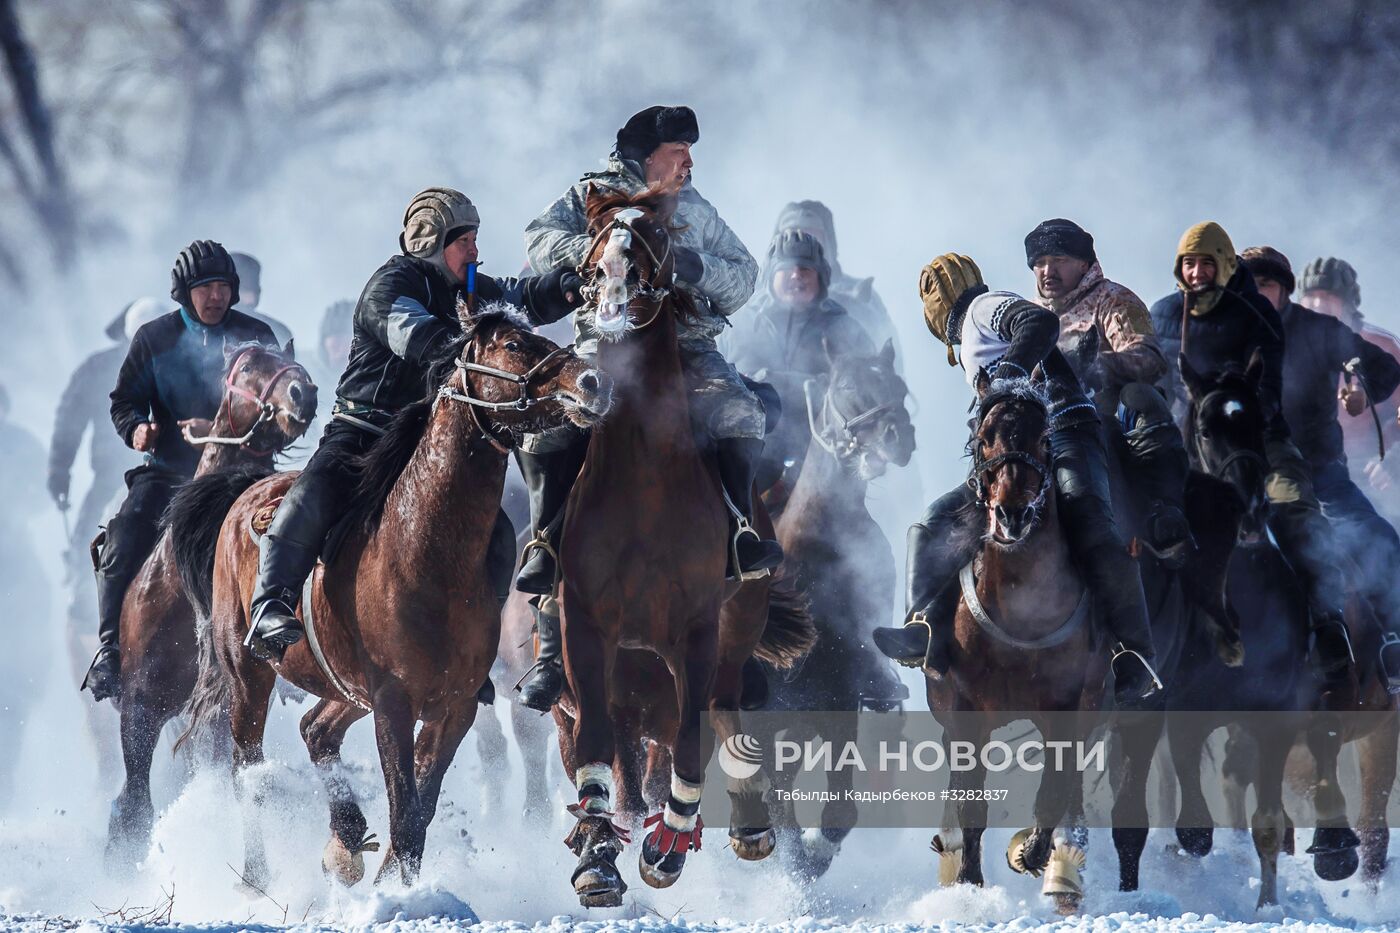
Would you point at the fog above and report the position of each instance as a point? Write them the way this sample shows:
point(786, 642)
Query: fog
point(926, 128)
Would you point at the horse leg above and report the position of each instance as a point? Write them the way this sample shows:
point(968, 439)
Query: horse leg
point(437, 745)
point(959, 842)
point(677, 828)
point(1237, 773)
point(1334, 842)
point(628, 766)
point(532, 735)
point(133, 814)
point(494, 755)
point(1269, 823)
point(1040, 850)
point(588, 666)
point(323, 730)
point(821, 843)
point(393, 732)
point(253, 683)
point(1378, 766)
point(1195, 828)
point(1139, 737)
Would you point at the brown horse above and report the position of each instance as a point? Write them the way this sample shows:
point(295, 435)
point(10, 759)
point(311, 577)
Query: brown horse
point(1022, 641)
point(404, 622)
point(643, 561)
point(269, 401)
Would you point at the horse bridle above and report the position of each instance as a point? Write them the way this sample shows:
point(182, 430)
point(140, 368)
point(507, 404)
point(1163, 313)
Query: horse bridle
point(266, 410)
point(523, 380)
point(646, 291)
point(983, 465)
point(1222, 468)
point(842, 441)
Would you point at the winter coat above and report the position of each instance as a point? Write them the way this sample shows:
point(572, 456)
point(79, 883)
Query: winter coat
point(558, 238)
point(1240, 321)
point(85, 401)
point(1317, 348)
point(781, 340)
point(1128, 349)
point(174, 370)
point(405, 316)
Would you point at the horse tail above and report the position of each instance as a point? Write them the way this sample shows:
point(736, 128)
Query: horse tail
point(789, 632)
point(195, 516)
point(212, 690)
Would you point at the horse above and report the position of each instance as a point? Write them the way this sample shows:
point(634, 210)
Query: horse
point(1021, 641)
point(269, 401)
point(842, 561)
point(643, 564)
point(403, 624)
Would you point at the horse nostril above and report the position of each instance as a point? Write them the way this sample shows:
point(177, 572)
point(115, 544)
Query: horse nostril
point(588, 382)
point(294, 392)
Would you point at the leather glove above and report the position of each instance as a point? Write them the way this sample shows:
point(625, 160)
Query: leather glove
point(58, 490)
point(689, 266)
point(571, 284)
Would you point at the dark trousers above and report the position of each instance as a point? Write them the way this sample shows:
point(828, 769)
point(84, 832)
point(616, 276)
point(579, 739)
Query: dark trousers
point(1364, 536)
point(131, 536)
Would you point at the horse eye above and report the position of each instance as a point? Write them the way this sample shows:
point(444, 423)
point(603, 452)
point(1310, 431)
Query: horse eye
point(513, 346)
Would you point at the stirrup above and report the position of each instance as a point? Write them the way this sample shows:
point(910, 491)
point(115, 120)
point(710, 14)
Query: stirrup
point(1122, 650)
point(1392, 682)
point(744, 527)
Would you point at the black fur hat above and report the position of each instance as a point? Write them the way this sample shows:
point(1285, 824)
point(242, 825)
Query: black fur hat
point(1059, 237)
point(651, 127)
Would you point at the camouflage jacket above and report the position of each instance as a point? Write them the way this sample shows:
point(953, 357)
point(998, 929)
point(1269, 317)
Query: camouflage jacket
point(558, 237)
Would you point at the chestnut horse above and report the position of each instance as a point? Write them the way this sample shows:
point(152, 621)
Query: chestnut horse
point(643, 554)
point(1027, 644)
point(405, 619)
point(269, 401)
point(843, 562)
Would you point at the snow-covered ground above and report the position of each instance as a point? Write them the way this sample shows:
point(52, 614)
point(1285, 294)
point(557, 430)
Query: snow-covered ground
point(485, 861)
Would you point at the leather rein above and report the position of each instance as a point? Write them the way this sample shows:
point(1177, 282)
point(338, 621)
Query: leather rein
point(645, 291)
point(266, 410)
point(523, 402)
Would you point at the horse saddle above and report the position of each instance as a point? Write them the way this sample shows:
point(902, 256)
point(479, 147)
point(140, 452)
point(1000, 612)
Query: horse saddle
point(330, 547)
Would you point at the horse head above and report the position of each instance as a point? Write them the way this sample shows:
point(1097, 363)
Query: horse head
point(1226, 433)
point(269, 398)
point(1010, 449)
point(862, 421)
point(629, 267)
point(517, 382)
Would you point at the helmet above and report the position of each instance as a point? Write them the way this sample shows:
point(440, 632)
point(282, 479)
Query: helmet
point(201, 262)
point(946, 286)
point(431, 216)
point(141, 311)
point(1333, 275)
point(798, 248)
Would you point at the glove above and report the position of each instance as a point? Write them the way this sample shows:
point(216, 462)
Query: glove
point(689, 266)
point(58, 490)
point(571, 284)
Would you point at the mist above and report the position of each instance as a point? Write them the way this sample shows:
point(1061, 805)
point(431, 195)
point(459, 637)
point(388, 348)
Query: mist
point(925, 127)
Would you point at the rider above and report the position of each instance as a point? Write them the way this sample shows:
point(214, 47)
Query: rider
point(653, 148)
point(172, 379)
point(1321, 352)
point(791, 338)
point(1009, 337)
point(250, 295)
point(856, 295)
point(406, 316)
point(1330, 287)
point(1217, 320)
point(1070, 282)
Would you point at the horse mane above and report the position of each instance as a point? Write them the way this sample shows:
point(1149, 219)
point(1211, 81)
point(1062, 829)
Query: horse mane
point(381, 466)
point(1004, 390)
point(658, 200)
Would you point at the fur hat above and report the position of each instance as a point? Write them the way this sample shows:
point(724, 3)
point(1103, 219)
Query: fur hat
point(645, 130)
point(1265, 262)
point(434, 218)
point(1060, 237)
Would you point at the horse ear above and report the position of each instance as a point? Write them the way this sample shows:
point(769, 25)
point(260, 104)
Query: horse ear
point(1254, 372)
point(1195, 385)
point(887, 353)
point(228, 346)
point(982, 382)
point(290, 350)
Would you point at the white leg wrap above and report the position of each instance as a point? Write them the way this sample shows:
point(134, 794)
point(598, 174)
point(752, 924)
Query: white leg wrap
point(596, 773)
point(682, 791)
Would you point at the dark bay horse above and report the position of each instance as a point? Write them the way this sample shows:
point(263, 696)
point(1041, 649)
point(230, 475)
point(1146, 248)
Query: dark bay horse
point(842, 562)
point(404, 622)
point(269, 402)
point(1023, 641)
point(643, 560)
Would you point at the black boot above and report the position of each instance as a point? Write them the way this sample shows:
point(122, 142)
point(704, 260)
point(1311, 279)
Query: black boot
point(286, 556)
point(1331, 648)
point(549, 477)
point(926, 639)
point(738, 463)
point(1157, 456)
point(116, 569)
point(1134, 680)
point(1390, 661)
point(541, 686)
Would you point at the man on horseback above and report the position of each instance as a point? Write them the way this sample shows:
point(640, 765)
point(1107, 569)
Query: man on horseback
point(1218, 320)
point(171, 381)
point(1070, 282)
point(406, 315)
point(791, 338)
point(1320, 353)
point(653, 149)
point(1009, 337)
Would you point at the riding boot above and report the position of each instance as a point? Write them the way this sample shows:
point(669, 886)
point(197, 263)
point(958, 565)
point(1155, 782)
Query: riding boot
point(287, 554)
point(114, 576)
point(1159, 463)
point(549, 477)
point(738, 463)
point(541, 686)
point(1108, 572)
point(1306, 539)
point(939, 545)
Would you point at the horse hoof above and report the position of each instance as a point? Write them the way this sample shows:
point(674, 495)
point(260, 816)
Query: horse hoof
point(341, 864)
point(950, 857)
point(753, 845)
point(1336, 866)
point(600, 886)
point(1064, 878)
point(664, 872)
point(1016, 854)
point(1195, 841)
point(1330, 839)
